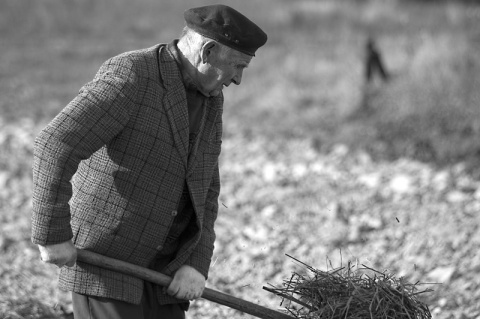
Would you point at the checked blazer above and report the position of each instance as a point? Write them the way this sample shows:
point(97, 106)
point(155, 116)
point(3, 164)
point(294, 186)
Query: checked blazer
point(109, 171)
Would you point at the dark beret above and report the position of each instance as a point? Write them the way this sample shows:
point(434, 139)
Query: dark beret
point(227, 26)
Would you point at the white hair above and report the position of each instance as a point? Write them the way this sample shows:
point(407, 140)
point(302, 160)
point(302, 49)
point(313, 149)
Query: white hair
point(197, 40)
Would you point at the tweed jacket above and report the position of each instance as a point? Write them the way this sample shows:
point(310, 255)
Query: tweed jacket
point(109, 171)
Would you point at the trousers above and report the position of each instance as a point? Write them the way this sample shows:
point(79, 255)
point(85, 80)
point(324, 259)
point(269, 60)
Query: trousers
point(91, 307)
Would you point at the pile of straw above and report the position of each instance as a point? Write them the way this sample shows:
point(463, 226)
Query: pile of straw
point(348, 293)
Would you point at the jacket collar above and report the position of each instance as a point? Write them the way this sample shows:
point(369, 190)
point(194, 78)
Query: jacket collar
point(175, 104)
point(186, 78)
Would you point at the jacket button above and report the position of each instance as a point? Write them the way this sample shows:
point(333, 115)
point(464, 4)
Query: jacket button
point(174, 213)
point(159, 247)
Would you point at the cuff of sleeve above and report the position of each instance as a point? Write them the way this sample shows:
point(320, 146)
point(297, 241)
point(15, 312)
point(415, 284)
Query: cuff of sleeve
point(50, 227)
point(200, 259)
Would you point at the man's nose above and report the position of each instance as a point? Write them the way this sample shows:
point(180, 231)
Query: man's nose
point(237, 79)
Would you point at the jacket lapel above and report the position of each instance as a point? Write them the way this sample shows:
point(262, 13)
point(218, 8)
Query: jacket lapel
point(175, 102)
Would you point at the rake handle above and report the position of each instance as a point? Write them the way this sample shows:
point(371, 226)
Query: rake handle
point(163, 280)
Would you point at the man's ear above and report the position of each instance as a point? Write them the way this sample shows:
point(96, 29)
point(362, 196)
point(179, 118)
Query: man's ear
point(209, 48)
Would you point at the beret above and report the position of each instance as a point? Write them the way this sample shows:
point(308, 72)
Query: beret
point(227, 26)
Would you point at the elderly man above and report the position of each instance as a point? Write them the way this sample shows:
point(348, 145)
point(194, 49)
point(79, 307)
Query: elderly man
point(129, 169)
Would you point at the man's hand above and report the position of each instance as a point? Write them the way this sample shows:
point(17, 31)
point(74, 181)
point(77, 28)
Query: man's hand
point(63, 254)
point(187, 284)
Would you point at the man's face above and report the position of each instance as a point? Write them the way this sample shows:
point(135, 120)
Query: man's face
point(222, 69)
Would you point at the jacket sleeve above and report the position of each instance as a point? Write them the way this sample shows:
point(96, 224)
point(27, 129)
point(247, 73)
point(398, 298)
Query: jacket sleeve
point(94, 117)
point(201, 257)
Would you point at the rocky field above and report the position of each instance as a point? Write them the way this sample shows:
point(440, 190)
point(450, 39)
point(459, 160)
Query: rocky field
point(284, 197)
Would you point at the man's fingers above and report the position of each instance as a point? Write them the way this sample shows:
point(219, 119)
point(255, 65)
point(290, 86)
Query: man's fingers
point(55, 262)
point(60, 262)
point(200, 293)
point(63, 263)
point(180, 294)
point(183, 293)
point(45, 257)
point(194, 295)
point(188, 294)
point(71, 263)
point(59, 254)
point(48, 260)
point(187, 284)
point(173, 289)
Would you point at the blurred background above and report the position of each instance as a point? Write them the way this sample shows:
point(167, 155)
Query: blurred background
point(356, 129)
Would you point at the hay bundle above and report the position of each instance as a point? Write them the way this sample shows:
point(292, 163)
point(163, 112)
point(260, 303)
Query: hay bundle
point(345, 293)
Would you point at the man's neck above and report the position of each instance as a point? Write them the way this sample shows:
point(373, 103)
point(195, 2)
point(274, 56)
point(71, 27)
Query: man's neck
point(186, 66)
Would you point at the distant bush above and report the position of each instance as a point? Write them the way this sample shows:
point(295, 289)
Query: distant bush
point(431, 111)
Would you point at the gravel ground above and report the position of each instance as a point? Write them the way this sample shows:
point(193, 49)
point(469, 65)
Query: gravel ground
point(403, 217)
point(278, 198)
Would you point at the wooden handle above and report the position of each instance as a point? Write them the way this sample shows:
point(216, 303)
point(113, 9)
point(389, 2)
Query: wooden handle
point(163, 280)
